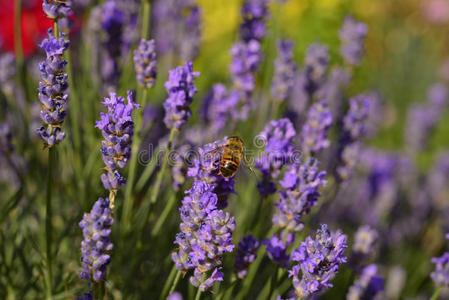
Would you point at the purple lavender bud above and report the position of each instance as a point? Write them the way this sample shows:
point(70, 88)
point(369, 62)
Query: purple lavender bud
point(284, 72)
point(7, 73)
point(166, 19)
point(354, 128)
point(181, 88)
point(53, 89)
point(206, 168)
point(57, 9)
point(315, 67)
point(423, 117)
point(367, 286)
point(96, 246)
point(365, 241)
point(117, 128)
point(216, 109)
point(278, 141)
point(438, 183)
point(440, 275)
point(175, 296)
point(331, 91)
point(354, 122)
point(113, 22)
point(438, 96)
point(206, 235)
point(352, 36)
point(315, 130)
point(318, 261)
point(174, 19)
point(86, 296)
point(301, 183)
point(145, 63)
point(277, 248)
point(6, 146)
point(254, 13)
point(246, 254)
point(245, 62)
point(181, 159)
point(191, 38)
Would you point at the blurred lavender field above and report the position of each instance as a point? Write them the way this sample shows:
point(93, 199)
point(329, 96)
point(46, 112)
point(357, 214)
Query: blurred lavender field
point(238, 149)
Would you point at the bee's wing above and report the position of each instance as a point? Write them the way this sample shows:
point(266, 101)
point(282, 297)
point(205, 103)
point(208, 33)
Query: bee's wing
point(214, 152)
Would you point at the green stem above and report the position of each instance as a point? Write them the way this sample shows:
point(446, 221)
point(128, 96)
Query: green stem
point(74, 107)
point(436, 293)
point(167, 284)
point(48, 221)
point(273, 282)
point(18, 32)
point(161, 173)
point(56, 28)
point(164, 215)
point(146, 19)
point(157, 186)
point(198, 294)
point(252, 271)
point(175, 283)
point(128, 203)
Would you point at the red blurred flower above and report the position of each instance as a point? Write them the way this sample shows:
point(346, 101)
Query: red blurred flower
point(33, 21)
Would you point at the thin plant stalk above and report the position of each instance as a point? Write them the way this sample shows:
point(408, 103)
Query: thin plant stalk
point(146, 19)
point(74, 106)
point(273, 282)
point(175, 283)
point(48, 221)
point(18, 34)
point(128, 203)
point(163, 217)
point(436, 293)
point(198, 294)
point(160, 177)
point(167, 284)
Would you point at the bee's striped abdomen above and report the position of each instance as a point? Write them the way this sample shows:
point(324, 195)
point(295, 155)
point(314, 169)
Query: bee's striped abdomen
point(229, 164)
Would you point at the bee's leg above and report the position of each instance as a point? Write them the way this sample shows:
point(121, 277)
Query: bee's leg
point(248, 165)
point(206, 169)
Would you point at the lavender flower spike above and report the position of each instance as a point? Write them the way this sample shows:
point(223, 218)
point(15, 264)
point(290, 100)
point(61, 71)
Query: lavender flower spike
point(354, 129)
point(301, 183)
point(246, 254)
point(284, 72)
point(117, 128)
point(441, 274)
point(53, 89)
point(367, 286)
point(365, 241)
point(318, 261)
point(352, 35)
point(278, 141)
point(96, 246)
point(8, 72)
point(206, 235)
point(113, 24)
point(181, 88)
point(57, 9)
point(315, 130)
point(145, 63)
point(277, 248)
point(315, 67)
point(245, 62)
point(254, 13)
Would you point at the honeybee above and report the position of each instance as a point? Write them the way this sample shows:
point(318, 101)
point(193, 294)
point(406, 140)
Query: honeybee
point(232, 153)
